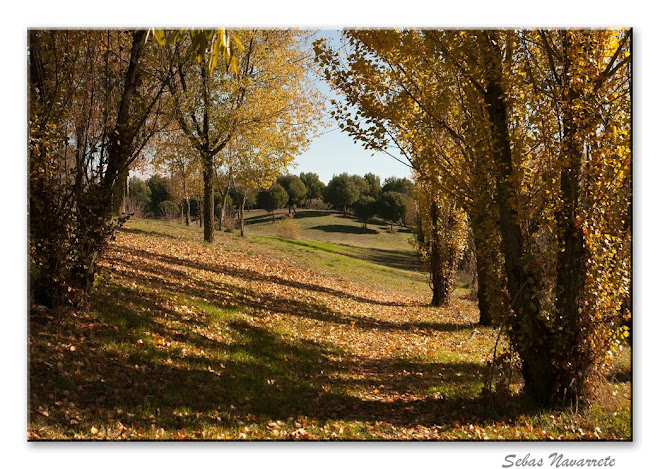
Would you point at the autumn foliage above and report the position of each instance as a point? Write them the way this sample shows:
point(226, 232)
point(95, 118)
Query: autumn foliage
point(529, 131)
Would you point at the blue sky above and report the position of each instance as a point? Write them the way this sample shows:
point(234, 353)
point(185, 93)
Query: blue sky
point(335, 152)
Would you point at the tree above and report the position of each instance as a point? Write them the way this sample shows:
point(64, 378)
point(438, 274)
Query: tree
point(159, 189)
point(223, 185)
point(342, 191)
point(273, 199)
point(295, 188)
point(391, 206)
point(361, 185)
point(92, 111)
point(400, 185)
point(268, 89)
point(173, 154)
point(139, 196)
point(416, 109)
point(373, 183)
point(441, 238)
point(470, 112)
point(365, 208)
point(255, 165)
point(315, 187)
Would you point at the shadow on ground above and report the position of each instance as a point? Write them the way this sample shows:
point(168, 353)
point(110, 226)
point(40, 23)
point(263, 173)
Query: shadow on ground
point(256, 373)
point(345, 229)
point(252, 371)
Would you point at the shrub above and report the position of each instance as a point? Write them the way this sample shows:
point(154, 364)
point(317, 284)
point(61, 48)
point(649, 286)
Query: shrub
point(317, 204)
point(169, 209)
point(287, 227)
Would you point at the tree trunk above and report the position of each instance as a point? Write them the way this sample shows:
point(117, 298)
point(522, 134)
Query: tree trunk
point(97, 212)
point(207, 158)
point(491, 286)
point(223, 209)
point(491, 307)
point(241, 217)
point(186, 203)
point(208, 198)
point(530, 333)
point(570, 258)
point(119, 147)
point(439, 284)
point(200, 212)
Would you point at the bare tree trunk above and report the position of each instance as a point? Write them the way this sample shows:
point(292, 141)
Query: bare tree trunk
point(186, 203)
point(200, 212)
point(241, 216)
point(223, 210)
point(207, 156)
point(208, 200)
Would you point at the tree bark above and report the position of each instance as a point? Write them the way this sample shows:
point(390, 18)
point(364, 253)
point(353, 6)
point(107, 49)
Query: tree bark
point(120, 191)
point(439, 284)
point(491, 286)
point(570, 258)
point(530, 334)
point(241, 217)
point(186, 203)
point(223, 209)
point(200, 212)
point(208, 216)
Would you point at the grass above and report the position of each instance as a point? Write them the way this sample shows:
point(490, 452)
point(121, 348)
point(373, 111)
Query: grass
point(270, 338)
point(333, 227)
point(338, 244)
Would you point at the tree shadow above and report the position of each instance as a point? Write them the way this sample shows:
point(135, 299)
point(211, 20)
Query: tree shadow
point(312, 213)
point(148, 233)
point(243, 273)
point(257, 375)
point(247, 373)
point(397, 258)
point(259, 219)
point(345, 229)
point(222, 294)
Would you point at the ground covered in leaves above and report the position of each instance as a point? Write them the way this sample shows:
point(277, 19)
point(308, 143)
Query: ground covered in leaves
point(265, 338)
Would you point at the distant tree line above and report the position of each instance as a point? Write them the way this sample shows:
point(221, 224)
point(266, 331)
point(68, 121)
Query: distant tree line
point(363, 196)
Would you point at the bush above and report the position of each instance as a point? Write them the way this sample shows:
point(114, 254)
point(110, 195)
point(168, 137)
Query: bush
point(287, 227)
point(317, 204)
point(169, 209)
